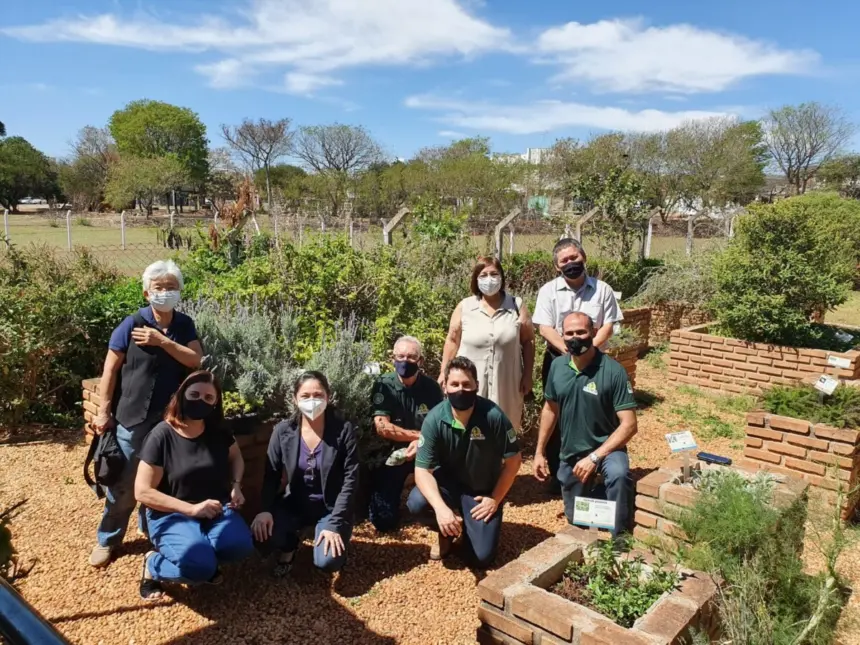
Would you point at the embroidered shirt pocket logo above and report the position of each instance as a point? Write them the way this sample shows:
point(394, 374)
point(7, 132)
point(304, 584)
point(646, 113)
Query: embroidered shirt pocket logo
point(591, 388)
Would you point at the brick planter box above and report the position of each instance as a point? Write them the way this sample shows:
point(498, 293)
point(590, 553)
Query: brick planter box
point(669, 316)
point(639, 319)
point(737, 366)
point(660, 496)
point(824, 456)
point(517, 608)
point(253, 448)
point(628, 357)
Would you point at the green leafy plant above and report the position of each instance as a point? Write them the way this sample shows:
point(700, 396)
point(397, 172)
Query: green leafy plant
point(623, 338)
point(236, 405)
point(787, 261)
point(622, 589)
point(686, 281)
point(841, 409)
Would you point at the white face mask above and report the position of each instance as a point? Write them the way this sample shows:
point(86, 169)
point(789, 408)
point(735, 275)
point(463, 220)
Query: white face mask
point(490, 285)
point(164, 301)
point(312, 408)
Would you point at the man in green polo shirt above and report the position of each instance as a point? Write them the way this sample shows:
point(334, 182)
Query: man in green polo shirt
point(468, 457)
point(401, 400)
point(589, 397)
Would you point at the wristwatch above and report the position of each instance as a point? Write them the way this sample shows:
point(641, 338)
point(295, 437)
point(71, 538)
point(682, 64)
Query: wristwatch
point(594, 458)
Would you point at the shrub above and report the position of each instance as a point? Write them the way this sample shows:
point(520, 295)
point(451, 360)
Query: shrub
point(681, 280)
point(841, 409)
point(57, 317)
point(786, 262)
point(623, 338)
point(626, 277)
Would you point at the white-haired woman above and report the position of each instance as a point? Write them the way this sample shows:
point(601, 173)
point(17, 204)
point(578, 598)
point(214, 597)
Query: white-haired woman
point(149, 355)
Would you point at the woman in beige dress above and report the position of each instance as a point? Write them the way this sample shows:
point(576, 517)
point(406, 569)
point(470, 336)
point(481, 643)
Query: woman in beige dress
point(494, 330)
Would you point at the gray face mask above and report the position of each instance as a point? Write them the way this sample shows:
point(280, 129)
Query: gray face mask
point(164, 301)
point(490, 285)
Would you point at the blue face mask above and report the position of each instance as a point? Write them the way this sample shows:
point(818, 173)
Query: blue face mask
point(406, 369)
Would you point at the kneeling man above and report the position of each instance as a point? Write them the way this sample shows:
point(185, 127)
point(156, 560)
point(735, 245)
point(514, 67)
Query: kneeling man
point(590, 399)
point(468, 457)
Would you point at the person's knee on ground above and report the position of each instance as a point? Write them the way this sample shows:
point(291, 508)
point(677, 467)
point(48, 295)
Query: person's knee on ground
point(238, 546)
point(196, 562)
point(329, 563)
point(417, 504)
point(382, 513)
point(483, 555)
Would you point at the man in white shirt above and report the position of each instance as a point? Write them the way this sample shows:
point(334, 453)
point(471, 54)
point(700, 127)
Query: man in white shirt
point(573, 290)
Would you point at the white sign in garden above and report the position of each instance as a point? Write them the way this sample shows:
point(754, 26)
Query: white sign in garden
point(838, 361)
point(826, 384)
point(598, 513)
point(681, 441)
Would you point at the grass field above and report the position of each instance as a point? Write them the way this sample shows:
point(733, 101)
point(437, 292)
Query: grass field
point(848, 313)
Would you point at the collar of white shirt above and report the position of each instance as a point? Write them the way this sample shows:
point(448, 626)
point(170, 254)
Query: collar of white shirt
point(562, 285)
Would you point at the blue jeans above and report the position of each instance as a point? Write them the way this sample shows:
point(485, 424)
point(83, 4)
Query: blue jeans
point(386, 486)
point(481, 539)
point(119, 498)
point(291, 517)
point(615, 468)
point(189, 550)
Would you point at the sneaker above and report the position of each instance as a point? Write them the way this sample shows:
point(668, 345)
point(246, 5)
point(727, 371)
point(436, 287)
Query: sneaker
point(442, 547)
point(101, 556)
point(285, 564)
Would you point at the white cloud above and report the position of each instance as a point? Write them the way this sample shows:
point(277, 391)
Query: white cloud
point(628, 56)
point(546, 116)
point(451, 134)
point(308, 40)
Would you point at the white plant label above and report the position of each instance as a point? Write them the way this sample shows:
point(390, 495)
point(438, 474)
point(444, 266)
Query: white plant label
point(838, 361)
point(681, 441)
point(827, 384)
point(372, 369)
point(599, 513)
point(844, 336)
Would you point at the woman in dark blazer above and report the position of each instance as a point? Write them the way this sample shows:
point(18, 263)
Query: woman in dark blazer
point(315, 451)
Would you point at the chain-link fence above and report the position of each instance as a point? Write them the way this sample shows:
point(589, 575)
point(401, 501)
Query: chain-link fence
point(130, 240)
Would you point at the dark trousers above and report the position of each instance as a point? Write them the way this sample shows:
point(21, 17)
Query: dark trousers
point(553, 446)
point(615, 468)
point(291, 517)
point(480, 539)
point(386, 487)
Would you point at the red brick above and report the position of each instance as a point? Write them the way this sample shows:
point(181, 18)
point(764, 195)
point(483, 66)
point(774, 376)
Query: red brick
point(710, 369)
point(691, 351)
point(763, 378)
point(678, 495)
point(608, 633)
point(762, 455)
point(787, 423)
point(701, 344)
point(547, 610)
point(831, 459)
point(758, 360)
point(494, 618)
point(821, 482)
point(785, 449)
point(680, 341)
point(842, 449)
point(668, 619)
point(671, 529)
point(485, 636)
point(752, 442)
point(698, 588)
point(770, 371)
point(764, 433)
point(798, 440)
point(736, 389)
point(678, 370)
point(645, 519)
point(492, 588)
point(755, 418)
point(837, 434)
point(649, 504)
point(805, 466)
point(651, 483)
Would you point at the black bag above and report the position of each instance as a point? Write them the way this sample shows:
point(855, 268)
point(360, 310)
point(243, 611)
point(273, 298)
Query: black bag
point(109, 462)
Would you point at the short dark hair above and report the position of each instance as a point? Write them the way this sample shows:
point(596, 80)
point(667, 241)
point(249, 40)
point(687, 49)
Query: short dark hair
point(464, 365)
point(481, 264)
point(567, 243)
point(304, 377)
point(175, 412)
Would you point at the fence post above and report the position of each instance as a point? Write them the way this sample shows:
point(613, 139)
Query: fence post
point(351, 234)
point(511, 240)
point(171, 221)
point(6, 227)
point(69, 229)
point(500, 227)
point(582, 220)
point(122, 228)
point(648, 237)
point(391, 224)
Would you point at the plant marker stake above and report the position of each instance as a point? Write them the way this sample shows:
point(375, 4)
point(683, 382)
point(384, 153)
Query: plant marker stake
point(122, 228)
point(69, 228)
point(6, 226)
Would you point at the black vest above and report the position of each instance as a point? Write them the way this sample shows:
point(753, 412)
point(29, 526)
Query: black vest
point(143, 365)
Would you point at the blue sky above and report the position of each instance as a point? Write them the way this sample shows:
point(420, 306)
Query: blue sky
point(420, 72)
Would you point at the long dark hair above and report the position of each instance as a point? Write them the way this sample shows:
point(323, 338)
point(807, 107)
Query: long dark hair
point(175, 412)
point(304, 377)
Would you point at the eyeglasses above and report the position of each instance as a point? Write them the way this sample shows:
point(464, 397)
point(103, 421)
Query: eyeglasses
point(310, 471)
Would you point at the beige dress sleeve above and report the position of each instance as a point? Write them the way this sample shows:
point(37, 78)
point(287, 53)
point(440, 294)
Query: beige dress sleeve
point(492, 343)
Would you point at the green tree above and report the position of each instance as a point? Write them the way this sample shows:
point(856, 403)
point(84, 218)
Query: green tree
point(83, 177)
point(843, 175)
point(381, 190)
point(787, 261)
point(24, 171)
point(142, 179)
point(2, 129)
point(280, 177)
point(148, 128)
point(260, 144)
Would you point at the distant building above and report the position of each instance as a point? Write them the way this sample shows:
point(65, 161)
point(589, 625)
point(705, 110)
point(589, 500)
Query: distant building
point(531, 155)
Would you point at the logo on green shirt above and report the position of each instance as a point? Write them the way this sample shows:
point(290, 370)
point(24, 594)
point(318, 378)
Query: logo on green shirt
point(591, 388)
point(477, 435)
point(378, 398)
point(422, 409)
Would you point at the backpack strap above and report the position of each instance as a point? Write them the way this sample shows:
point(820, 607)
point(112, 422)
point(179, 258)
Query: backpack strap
point(91, 453)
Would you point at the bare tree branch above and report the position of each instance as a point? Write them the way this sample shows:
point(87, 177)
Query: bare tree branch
point(260, 143)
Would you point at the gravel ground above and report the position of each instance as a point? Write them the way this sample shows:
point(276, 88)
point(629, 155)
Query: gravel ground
point(389, 592)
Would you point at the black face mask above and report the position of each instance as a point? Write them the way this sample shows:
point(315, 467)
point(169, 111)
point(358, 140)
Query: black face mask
point(463, 400)
point(572, 270)
point(578, 346)
point(197, 409)
point(406, 369)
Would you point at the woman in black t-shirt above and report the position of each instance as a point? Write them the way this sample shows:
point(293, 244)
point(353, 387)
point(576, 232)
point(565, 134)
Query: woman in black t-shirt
point(189, 480)
point(316, 450)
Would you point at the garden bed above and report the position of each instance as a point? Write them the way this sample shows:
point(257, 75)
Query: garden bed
point(667, 317)
point(628, 356)
point(662, 494)
point(699, 358)
point(824, 456)
point(517, 606)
